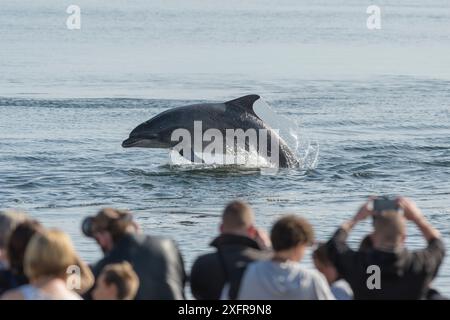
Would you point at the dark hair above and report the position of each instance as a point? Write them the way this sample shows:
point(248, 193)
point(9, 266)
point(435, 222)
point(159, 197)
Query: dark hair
point(123, 277)
point(237, 214)
point(18, 241)
point(114, 221)
point(290, 231)
point(8, 222)
point(321, 254)
point(366, 243)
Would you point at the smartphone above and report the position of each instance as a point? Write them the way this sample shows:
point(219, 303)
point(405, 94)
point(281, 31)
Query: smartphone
point(385, 203)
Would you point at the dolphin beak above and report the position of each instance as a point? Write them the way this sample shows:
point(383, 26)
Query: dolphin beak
point(150, 141)
point(128, 143)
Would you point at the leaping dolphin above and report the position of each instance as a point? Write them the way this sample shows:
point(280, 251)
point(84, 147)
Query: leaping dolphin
point(234, 114)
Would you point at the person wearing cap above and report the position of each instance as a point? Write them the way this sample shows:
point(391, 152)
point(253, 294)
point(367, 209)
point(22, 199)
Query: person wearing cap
point(157, 261)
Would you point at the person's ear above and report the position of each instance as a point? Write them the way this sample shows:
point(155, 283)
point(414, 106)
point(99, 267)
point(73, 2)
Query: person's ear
point(107, 240)
point(221, 228)
point(251, 231)
point(135, 227)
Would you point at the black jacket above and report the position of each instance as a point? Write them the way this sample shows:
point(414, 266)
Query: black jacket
point(403, 274)
point(157, 262)
point(10, 280)
point(212, 271)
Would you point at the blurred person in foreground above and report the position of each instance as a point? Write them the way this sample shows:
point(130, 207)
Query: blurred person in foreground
point(431, 294)
point(156, 260)
point(218, 274)
point(403, 274)
point(339, 287)
point(8, 222)
point(14, 276)
point(54, 270)
point(284, 277)
point(117, 281)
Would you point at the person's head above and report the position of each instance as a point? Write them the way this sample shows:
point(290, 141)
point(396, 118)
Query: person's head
point(389, 229)
point(8, 222)
point(290, 237)
point(18, 242)
point(323, 263)
point(238, 218)
point(116, 282)
point(50, 254)
point(109, 226)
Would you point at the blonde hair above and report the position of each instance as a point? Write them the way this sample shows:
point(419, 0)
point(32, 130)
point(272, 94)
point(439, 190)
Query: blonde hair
point(389, 226)
point(50, 254)
point(123, 277)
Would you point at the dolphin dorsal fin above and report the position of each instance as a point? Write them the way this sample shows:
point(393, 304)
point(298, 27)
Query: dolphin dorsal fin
point(245, 102)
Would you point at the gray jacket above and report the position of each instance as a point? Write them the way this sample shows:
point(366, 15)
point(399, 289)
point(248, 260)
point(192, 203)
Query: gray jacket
point(270, 280)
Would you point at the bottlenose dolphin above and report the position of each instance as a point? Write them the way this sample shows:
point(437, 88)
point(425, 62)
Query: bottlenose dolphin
point(234, 114)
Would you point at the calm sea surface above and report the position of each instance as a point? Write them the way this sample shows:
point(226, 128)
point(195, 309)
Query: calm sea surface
point(376, 103)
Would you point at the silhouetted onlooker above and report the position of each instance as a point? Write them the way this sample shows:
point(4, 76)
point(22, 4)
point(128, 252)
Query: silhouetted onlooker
point(238, 244)
point(403, 274)
point(283, 277)
point(156, 260)
point(14, 276)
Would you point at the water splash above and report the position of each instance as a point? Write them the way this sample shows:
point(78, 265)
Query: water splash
point(306, 151)
point(238, 159)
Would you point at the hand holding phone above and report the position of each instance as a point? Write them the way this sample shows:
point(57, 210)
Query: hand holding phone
point(412, 212)
point(385, 203)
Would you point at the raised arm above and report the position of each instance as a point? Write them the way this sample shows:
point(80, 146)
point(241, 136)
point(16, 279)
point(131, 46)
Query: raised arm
point(413, 213)
point(340, 254)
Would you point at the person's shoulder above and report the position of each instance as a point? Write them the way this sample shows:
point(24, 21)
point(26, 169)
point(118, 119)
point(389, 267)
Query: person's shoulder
point(70, 295)
point(313, 274)
point(255, 270)
point(153, 240)
point(435, 244)
point(431, 255)
point(257, 254)
point(206, 259)
point(259, 265)
point(14, 294)
point(144, 242)
point(342, 290)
